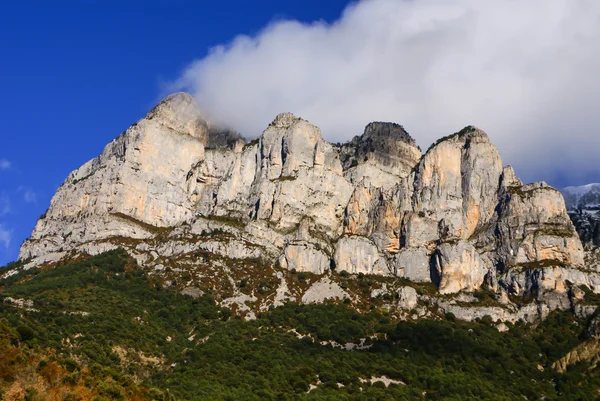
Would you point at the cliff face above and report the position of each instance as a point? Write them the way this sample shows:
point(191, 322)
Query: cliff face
point(583, 204)
point(172, 185)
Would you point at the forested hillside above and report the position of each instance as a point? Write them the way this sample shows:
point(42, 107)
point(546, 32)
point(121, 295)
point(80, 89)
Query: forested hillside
point(101, 328)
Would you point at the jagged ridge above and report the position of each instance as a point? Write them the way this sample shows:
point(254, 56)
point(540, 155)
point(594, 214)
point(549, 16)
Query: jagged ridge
point(376, 205)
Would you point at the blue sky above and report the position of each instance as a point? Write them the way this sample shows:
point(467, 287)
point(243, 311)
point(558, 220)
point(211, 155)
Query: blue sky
point(75, 74)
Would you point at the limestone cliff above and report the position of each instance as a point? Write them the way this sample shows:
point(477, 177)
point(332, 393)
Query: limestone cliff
point(172, 185)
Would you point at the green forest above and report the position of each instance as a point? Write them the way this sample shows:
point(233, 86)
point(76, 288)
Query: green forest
point(100, 328)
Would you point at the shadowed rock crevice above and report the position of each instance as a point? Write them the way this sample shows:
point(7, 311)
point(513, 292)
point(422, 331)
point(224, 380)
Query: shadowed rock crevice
point(434, 262)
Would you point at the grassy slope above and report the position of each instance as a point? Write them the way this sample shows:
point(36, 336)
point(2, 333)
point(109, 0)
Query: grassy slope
point(140, 340)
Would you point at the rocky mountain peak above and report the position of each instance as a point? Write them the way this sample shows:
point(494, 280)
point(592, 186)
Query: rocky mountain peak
point(284, 120)
point(471, 132)
point(468, 134)
point(385, 132)
point(386, 144)
point(181, 113)
point(509, 178)
point(454, 217)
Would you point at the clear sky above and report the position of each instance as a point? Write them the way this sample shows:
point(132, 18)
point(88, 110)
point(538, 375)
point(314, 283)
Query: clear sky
point(75, 74)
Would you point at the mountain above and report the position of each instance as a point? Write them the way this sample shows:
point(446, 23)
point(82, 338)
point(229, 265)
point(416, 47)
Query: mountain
point(185, 262)
point(585, 197)
point(583, 204)
point(454, 217)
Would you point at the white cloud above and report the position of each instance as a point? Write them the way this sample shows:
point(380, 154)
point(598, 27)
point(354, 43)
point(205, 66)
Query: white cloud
point(524, 71)
point(29, 196)
point(5, 205)
point(5, 208)
point(5, 236)
point(4, 164)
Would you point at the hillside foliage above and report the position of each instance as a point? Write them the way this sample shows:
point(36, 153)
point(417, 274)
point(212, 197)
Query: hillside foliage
point(101, 328)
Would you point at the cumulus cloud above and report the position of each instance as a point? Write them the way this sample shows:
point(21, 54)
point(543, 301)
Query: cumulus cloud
point(5, 236)
point(4, 164)
point(524, 71)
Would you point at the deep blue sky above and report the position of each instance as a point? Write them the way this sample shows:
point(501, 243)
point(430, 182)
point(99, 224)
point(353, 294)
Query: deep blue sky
point(74, 75)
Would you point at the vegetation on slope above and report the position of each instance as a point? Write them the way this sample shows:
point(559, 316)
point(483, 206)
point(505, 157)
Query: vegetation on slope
point(100, 328)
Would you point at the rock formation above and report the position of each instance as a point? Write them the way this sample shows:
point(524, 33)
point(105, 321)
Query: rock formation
point(585, 197)
point(583, 204)
point(172, 185)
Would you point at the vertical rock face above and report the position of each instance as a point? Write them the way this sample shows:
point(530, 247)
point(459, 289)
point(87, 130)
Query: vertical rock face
point(454, 216)
point(459, 267)
point(378, 164)
point(413, 263)
point(300, 177)
point(456, 188)
point(305, 257)
point(359, 255)
point(534, 227)
point(588, 226)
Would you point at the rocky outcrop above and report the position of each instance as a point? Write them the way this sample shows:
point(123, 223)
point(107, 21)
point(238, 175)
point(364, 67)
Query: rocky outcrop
point(323, 290)
point(534, 227)
point(588, 351)
point(305, 257)
point(174, 186)
point(407, 298)
point(455, 189)
point(583, 204)
point(458, 267)
point(299, 176)
point(387, 145)
point(413, 264)
point(527, 280)
point(355, 254)
point(587, 224)
point(529, 313)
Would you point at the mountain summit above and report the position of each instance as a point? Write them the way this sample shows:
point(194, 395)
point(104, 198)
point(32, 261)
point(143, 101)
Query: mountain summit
point(173, 187)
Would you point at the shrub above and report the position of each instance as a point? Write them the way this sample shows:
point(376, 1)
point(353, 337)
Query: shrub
point(110, 389)
point(26, 333)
